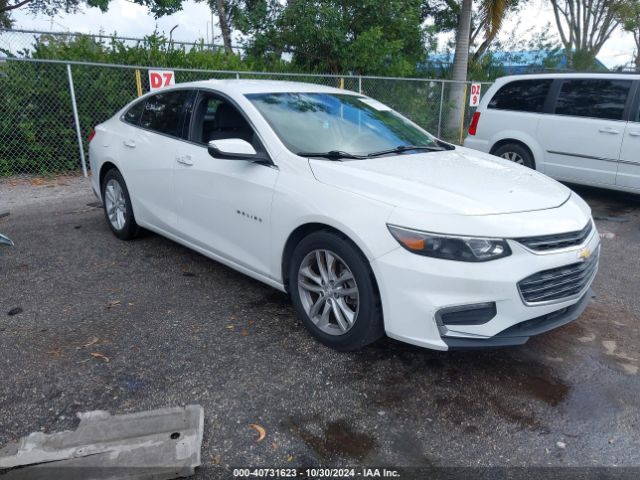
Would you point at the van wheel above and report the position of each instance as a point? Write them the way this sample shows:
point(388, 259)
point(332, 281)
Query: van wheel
point(334, 292)
point(517, 154)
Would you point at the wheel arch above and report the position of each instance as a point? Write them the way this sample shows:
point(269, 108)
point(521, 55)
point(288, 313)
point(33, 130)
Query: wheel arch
point(305, 230)
point(528, 143)
point(106, 166)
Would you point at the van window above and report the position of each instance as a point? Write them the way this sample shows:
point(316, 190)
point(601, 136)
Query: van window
point(595, 98)
point(522, 96)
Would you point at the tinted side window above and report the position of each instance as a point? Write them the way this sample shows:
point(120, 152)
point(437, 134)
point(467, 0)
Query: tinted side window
point(593, 98)
point(163, 112)
point(133, 114)
point(522, 96)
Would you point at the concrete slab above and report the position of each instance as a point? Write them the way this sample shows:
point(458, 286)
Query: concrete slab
point(159, 444)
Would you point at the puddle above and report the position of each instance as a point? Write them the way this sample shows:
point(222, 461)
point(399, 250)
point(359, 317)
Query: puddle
point(547, 390)
point(338, 439)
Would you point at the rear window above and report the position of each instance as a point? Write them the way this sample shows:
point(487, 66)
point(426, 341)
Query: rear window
point(595, 98)
point(522, 96)
point(163, 112)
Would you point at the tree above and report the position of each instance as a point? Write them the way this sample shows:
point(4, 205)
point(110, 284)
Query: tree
point(584, 27)
point(486, 19)
point(628, 13)
point(51, 7)
point(460, 65)
point(336, 36)
point(225, 27)
point(491, 15)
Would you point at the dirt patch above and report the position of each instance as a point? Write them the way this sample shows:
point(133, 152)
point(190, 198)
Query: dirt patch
point(338, 439)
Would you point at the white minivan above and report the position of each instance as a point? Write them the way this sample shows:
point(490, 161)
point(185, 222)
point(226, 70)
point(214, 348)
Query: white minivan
point(578, 128)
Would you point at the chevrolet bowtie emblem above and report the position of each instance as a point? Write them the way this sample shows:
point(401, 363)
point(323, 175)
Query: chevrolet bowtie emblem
point(584, 253)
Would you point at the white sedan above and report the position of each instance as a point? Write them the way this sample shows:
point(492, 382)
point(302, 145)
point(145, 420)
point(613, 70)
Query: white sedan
point(372, 225)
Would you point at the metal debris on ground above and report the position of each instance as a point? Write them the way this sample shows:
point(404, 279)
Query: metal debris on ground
point(5, 240)
point(158, 444)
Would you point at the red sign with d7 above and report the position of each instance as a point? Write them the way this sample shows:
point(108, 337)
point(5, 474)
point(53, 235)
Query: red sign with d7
point(474, 99)
point(161, 78)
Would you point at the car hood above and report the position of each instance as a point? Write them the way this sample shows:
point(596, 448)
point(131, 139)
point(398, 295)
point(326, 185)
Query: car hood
point(460, 181)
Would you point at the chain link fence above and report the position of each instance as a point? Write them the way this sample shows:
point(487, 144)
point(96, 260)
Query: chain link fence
point(41, 133)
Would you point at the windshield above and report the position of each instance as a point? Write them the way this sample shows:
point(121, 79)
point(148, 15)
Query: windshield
point(328, 122)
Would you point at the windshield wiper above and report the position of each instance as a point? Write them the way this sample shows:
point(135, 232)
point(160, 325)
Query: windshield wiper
point(331, 155)
point(406, 148)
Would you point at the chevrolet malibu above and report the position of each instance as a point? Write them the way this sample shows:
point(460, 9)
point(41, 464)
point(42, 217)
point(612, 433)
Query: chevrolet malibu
point(370, 224)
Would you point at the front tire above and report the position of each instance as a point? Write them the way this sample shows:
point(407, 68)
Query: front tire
point(117, 206)
point(334, 292)
point(516, 153)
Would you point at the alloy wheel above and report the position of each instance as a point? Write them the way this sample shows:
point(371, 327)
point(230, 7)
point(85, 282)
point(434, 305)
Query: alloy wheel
point(328, 291)
point(514, 157)
point(115, 204)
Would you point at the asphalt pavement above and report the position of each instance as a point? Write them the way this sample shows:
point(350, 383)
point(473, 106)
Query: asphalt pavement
point(90, 322)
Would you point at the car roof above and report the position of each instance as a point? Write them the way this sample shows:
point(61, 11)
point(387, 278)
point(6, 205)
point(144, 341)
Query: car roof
point(242, 87)
point(605, 75)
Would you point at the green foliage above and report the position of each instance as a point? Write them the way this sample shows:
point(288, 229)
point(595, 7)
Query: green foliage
point(337, 36)
point(36, 120)
point(36, 123)
point(628, 13)
point(153, 50)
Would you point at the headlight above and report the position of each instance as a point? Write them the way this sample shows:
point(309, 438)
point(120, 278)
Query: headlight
point(448, 247)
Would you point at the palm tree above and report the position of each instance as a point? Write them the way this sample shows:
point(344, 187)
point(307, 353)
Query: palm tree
point(491, 15)
point(460, 65)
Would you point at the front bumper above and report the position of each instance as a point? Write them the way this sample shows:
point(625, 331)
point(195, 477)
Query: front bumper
point(414, 289)
point(519, 333)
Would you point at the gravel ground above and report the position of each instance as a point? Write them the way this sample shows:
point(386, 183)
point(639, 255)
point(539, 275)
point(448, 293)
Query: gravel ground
point(178, 328)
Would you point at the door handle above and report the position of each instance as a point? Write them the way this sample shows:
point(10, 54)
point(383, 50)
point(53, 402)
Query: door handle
point(129, 143)
point(185, 160)
point(635, 133)
point(612, 131)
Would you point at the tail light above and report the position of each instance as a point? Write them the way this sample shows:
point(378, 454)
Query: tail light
point(92, 134)
point(473, 127)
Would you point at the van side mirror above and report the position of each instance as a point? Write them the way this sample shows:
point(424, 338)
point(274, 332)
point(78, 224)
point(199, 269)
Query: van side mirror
point(234, 149)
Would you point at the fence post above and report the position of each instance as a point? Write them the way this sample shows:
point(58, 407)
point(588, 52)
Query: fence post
point(138, 82)
point(359, 84)
point(237, 75)
point(441, 104)
point(77, 120)
point(464, 112)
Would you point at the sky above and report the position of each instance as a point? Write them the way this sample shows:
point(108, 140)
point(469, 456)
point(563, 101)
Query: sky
point(194, 22)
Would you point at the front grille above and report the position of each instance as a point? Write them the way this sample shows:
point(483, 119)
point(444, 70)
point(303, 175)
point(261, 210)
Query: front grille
point(555, 242)
point(558, 283)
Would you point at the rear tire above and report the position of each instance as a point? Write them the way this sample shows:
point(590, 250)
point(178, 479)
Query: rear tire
point(117, 206)
point(334, 292)
point(516, 153)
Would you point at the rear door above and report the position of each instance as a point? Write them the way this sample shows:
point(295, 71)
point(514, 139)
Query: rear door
point(149, 152)
point(582, 136)
point(629, 167)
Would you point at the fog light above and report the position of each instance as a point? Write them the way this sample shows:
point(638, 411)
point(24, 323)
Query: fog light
point(476, 314)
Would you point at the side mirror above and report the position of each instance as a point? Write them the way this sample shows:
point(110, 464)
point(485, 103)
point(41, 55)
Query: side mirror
point(234, 149)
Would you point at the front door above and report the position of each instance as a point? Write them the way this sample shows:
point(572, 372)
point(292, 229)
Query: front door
point(583, 136)
point(224, 206)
